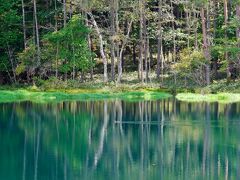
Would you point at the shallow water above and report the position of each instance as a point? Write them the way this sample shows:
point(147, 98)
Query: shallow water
point(113, 139)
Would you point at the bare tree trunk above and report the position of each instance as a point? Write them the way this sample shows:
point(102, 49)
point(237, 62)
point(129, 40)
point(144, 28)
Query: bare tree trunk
point(238, 34)
point(105, 75)
point(188, 26)
point(134, 53)
point(205, 45)
point(71, 9)
point(140, 68)
point(64, 13)
point(37, 33)
point(159, 54)
point(74, 60)
point(55, 10)
point(121, 52)
point(150, 59)
point(10, 56)
point(174, 36)
point(89, 46)
point(64, 25)
point(145, 41)
point(24, 25)
point(56, 62)
point(113, 34)
point(225, 3)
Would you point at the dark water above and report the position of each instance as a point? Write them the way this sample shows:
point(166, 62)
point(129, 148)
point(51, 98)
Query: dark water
point(114, 139)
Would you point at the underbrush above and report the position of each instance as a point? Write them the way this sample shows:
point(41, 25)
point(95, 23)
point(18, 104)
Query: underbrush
point(224, 86)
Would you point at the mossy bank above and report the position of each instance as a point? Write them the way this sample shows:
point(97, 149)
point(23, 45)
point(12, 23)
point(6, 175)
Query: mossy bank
point(220, 97)
point(78, 94)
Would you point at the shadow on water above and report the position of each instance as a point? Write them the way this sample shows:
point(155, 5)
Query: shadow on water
point(114, 139)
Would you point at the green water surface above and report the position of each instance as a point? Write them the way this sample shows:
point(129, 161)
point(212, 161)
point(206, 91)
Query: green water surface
point(118, 139)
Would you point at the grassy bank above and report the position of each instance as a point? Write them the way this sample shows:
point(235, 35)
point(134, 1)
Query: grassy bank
point(221, 97)
point(71, 95)
point(34, 95)
point(130, 89)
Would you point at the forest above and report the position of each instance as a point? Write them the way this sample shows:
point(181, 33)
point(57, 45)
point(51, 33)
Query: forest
point(119, 89)
point(166, 43)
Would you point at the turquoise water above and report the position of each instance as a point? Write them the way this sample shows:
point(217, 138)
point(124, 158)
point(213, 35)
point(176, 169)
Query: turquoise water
point(113, 139)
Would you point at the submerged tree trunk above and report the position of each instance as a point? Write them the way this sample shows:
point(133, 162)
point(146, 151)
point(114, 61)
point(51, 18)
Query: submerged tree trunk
point(99, 152)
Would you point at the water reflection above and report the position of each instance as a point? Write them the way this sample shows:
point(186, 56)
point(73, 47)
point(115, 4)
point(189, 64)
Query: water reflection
point(115, 139)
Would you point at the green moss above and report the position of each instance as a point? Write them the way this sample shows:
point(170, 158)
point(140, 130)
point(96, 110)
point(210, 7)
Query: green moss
point(221, 97)
point(70, 95)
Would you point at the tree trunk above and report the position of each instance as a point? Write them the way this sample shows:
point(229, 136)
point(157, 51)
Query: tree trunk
point(205, 46)
point(37, 33)
point(159, 54)
point(56, 68)
point(238, 34)
point(134, 53)
point(55, 10)
point(24, 25)
point(10, 56)
point(92, 59)
point(105, 74)
point(145, 41)
point(71, 9)
point(64, 13)
point(173, 29)
point(225, 35)
point(140, 68)
point(89, 46)
point(113, 34)
point(121, 52)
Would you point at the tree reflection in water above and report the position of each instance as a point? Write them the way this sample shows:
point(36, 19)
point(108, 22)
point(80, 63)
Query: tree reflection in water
point(114, 139)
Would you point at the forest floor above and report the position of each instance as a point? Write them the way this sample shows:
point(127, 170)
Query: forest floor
point(129, 89)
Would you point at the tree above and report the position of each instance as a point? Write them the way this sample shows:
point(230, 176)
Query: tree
point(9, 37)
point(205, 44)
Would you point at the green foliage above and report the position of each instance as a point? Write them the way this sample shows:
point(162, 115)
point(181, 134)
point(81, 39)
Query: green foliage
point(64, 50)
point(191, 65)
point(69, 46)
point(9, 30)
point(26, 59)
point(224, 86)
point(9, 20)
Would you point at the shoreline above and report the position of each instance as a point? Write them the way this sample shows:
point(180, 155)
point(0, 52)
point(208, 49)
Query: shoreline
point(78, 94)
point(224, 98)
point(58, 95)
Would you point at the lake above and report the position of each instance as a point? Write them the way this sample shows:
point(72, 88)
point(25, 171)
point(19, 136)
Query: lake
point(115, 139)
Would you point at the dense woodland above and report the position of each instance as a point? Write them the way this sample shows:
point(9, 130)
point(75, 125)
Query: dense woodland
point(190, 40)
